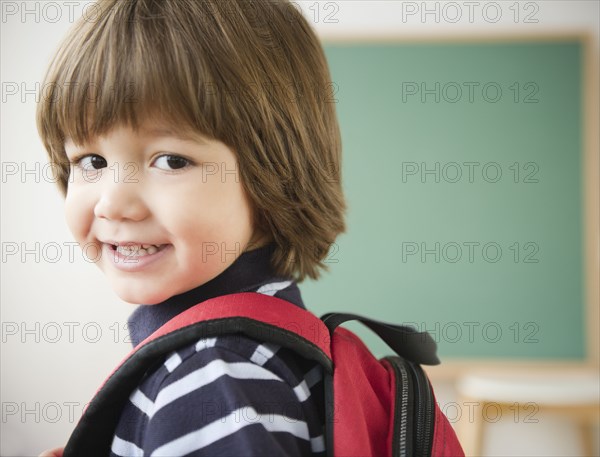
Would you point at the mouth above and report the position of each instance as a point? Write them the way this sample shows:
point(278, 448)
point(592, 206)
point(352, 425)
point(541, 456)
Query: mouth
point(135, 249)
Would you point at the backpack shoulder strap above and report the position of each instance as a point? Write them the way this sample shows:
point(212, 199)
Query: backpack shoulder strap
point(257, 315)
point(418, 347)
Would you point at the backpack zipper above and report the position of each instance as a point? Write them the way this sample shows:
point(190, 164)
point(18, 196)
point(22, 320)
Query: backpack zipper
point(413, 417)
point(403, 412)
point(424, 409)
point(402, 442)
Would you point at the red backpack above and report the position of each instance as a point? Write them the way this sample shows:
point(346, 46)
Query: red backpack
point(373, 407)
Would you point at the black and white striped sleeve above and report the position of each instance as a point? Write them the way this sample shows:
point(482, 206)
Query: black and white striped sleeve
point(218, 402)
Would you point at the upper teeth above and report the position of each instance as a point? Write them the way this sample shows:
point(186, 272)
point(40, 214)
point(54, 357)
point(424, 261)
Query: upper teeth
point(137, 249)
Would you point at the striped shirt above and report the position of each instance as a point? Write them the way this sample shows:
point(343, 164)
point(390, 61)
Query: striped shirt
point(230, 395)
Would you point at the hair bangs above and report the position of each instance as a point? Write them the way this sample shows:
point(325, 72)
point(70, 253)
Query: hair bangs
point(124, 75)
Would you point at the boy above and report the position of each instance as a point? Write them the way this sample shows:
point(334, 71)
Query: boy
point(190, 140)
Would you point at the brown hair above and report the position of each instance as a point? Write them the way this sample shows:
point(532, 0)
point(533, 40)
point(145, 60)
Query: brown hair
point(250, 74)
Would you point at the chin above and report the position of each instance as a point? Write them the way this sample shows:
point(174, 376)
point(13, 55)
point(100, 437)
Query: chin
point(146, 297)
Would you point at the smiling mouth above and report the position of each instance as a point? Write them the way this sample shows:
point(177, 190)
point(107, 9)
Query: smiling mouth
point(136, 250)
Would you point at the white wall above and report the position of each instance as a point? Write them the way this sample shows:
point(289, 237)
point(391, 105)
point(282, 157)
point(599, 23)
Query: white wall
point(63, 329)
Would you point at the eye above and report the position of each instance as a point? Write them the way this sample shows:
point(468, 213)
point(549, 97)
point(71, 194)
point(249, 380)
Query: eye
point(171, 162)
point(90, 162)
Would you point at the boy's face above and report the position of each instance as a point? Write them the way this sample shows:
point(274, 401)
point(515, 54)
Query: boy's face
point(184, 196)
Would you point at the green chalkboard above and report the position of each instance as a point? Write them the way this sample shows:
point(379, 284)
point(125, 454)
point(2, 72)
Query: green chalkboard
point(462, 168)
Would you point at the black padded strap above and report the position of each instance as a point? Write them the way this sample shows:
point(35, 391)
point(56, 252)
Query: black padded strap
point(405, 341)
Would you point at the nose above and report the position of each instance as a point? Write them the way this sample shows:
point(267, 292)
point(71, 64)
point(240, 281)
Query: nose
point(121, 200)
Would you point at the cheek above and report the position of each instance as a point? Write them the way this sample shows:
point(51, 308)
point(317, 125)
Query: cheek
point(238, 215)
point(245, 209)
point(78, 215)
point(216, 217)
